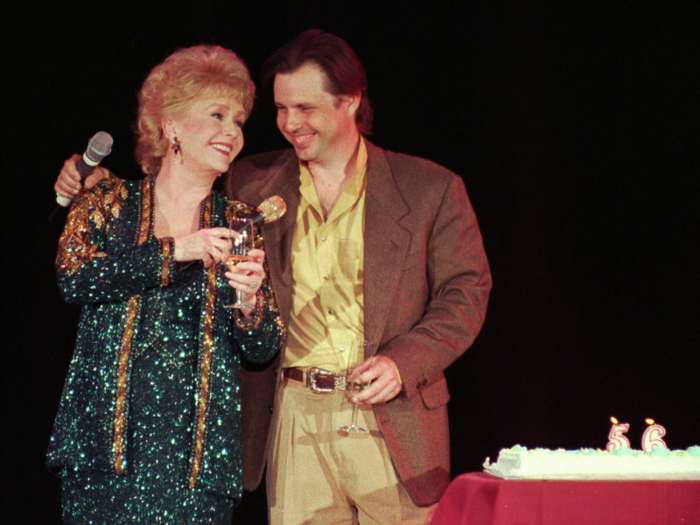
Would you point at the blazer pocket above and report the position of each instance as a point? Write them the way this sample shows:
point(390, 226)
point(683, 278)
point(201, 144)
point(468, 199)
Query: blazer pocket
point(435, 394)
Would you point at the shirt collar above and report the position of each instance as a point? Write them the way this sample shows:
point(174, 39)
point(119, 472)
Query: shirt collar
point(354, 187)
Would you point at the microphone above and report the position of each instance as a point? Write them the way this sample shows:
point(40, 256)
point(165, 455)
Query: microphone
point(269, 211)
point(98, 148)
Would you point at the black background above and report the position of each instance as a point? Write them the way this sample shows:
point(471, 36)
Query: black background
point(575, 128)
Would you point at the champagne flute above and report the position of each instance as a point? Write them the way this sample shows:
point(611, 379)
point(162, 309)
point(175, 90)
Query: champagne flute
point(238, 251)
point(357, 355)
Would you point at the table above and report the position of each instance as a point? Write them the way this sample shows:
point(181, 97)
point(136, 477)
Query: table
point(481, 499)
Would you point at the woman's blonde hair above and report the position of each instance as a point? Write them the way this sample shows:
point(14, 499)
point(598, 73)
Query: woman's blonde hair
point(171, 86)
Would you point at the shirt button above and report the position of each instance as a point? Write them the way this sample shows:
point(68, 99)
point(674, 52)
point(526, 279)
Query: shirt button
point(327, 277)
point(331, 311)
point(323, 238)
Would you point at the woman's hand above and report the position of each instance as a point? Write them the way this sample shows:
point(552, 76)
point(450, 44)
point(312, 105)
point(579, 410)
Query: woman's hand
point(209, 246)
point(68, 182)
point(247, 277)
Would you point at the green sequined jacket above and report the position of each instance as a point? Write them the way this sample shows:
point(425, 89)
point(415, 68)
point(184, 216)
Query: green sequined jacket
point(107, 257)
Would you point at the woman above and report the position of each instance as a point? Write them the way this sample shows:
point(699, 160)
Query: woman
point(148, 429)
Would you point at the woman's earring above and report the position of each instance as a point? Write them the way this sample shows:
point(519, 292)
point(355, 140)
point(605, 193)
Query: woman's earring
point(177, 149)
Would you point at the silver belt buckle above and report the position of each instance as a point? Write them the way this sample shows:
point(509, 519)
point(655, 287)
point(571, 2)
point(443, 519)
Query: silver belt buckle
point(317, 375)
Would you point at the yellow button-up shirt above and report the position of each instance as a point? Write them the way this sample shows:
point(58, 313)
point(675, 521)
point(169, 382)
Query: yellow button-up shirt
point(327, 265)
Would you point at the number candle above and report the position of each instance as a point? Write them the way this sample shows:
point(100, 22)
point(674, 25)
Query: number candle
point(652, 436)
point(616, 439)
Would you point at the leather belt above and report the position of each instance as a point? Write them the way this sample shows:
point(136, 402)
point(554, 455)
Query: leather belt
point(320, 381)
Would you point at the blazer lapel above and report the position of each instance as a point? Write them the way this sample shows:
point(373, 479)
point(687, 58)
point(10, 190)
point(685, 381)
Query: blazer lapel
point(386, 243)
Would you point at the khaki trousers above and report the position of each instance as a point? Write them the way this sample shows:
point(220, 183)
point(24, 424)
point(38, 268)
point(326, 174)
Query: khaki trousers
point(319, 475)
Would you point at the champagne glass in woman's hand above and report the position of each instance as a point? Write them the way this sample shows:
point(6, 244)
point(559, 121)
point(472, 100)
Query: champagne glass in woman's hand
point(358, 351)
point(238, 251)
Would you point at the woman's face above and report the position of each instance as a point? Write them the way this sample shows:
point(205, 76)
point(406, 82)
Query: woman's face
point(210, 131)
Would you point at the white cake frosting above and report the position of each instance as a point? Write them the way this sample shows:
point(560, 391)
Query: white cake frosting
point(588, 464)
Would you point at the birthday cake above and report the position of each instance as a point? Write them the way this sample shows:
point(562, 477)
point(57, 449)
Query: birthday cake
point(589, 464)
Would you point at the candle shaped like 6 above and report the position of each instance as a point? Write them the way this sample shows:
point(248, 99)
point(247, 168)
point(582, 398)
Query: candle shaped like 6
point(652, 436)
point(616, 438)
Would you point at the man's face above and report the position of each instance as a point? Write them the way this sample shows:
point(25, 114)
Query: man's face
point(315, 122)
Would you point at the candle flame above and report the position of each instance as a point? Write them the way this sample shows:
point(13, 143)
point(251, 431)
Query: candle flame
point(614, 421)
point(649, 421)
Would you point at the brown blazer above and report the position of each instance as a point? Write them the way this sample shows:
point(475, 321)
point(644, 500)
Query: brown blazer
point(426, 287)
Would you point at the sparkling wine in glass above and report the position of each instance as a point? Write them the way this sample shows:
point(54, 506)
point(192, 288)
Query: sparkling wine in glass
point(238, 251)
point(357, 355)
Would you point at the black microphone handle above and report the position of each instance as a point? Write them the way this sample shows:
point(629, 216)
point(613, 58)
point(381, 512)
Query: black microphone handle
point(255, 217)
point(84, 169)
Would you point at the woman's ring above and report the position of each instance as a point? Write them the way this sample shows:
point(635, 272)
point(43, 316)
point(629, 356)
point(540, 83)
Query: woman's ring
point(254, 284)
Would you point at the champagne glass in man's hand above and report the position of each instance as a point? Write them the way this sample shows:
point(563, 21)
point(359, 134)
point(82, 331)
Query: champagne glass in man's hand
point(358, 351)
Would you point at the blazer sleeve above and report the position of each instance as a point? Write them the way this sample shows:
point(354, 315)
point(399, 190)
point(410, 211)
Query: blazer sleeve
point(459, 283)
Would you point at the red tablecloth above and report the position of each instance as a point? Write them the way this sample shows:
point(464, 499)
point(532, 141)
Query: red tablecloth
point(481, 499)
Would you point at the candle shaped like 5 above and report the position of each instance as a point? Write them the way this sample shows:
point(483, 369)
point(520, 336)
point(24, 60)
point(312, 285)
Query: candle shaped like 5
point(616, 438)
point(652, 436)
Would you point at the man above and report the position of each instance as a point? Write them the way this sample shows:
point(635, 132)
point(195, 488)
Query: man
point(376, 246)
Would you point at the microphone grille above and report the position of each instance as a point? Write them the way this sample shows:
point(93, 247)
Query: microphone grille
point(99, 146)
point(272, 209)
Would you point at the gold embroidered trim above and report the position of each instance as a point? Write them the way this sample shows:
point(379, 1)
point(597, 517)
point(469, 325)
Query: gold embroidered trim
point(145, 227)
point(123, 366)
point(122, 374)
point(205, 363)
point(165, 271)
point(97, 206)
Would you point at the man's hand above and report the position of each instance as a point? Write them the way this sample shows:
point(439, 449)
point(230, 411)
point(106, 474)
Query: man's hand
point(383, 374)
point(68, 182)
